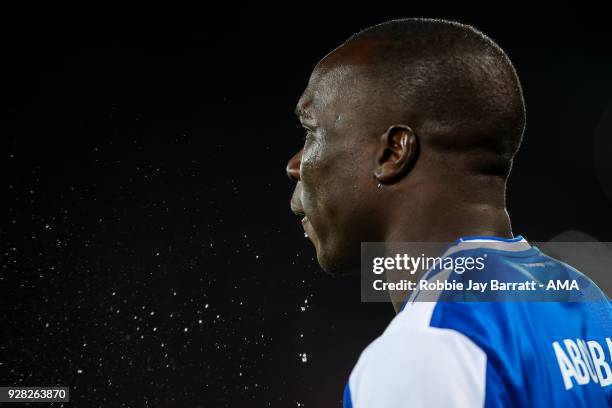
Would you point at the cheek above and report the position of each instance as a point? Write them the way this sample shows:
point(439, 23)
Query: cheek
point(311, 157)
point(331, 177)
point(315, 174)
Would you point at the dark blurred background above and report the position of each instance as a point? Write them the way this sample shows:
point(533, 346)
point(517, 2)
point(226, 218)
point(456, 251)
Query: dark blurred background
point(149, 257)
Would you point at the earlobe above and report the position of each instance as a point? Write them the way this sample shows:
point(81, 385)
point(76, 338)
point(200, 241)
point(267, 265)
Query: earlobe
point(396, 155)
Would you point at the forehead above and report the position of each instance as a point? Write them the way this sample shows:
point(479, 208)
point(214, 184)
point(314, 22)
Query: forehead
point(338, 79)
point(324, 89)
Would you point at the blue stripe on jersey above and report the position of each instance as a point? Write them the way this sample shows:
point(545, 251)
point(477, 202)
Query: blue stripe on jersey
point(346, 400)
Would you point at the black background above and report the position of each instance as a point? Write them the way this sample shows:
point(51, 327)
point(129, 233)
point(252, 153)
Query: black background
point(149, 257)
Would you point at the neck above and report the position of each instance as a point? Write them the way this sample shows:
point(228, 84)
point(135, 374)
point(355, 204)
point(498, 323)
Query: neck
point(446, 213)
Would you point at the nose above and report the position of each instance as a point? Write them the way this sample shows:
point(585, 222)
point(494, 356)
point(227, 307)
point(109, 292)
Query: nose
point(293, 167)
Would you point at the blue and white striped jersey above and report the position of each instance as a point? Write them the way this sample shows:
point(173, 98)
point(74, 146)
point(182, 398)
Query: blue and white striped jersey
point(492, 354)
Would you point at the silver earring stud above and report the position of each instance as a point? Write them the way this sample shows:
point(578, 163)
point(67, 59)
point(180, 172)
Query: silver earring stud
point(379, 185)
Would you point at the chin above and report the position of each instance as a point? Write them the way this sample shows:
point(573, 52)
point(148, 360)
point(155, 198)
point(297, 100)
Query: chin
point(336, 265)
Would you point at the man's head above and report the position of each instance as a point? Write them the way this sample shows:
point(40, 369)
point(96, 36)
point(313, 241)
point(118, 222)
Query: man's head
point(399, 114)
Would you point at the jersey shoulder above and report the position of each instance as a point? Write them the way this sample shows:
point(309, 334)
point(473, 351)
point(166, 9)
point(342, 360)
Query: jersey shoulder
point(406, 366)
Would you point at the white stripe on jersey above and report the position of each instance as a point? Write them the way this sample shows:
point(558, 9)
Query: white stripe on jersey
point(414, 365)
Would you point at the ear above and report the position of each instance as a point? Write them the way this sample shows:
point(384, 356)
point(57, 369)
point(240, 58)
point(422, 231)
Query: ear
point(396, 155)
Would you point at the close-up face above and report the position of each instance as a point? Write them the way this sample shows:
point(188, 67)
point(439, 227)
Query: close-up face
point(335, 191)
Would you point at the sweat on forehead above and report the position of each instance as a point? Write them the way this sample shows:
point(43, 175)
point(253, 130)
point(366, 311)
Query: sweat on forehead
point(337, 96)
point(340, 77)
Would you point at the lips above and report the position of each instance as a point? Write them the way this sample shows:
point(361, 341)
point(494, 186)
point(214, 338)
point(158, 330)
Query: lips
point(304, 225)
point(298, 210)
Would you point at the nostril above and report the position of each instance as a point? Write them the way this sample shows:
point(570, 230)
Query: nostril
point(293, 175)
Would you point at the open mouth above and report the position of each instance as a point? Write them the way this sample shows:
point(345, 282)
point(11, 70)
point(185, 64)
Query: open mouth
point(303, 219)
point(299, 213)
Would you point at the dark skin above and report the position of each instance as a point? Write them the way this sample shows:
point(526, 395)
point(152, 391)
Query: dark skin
point(367, 173)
